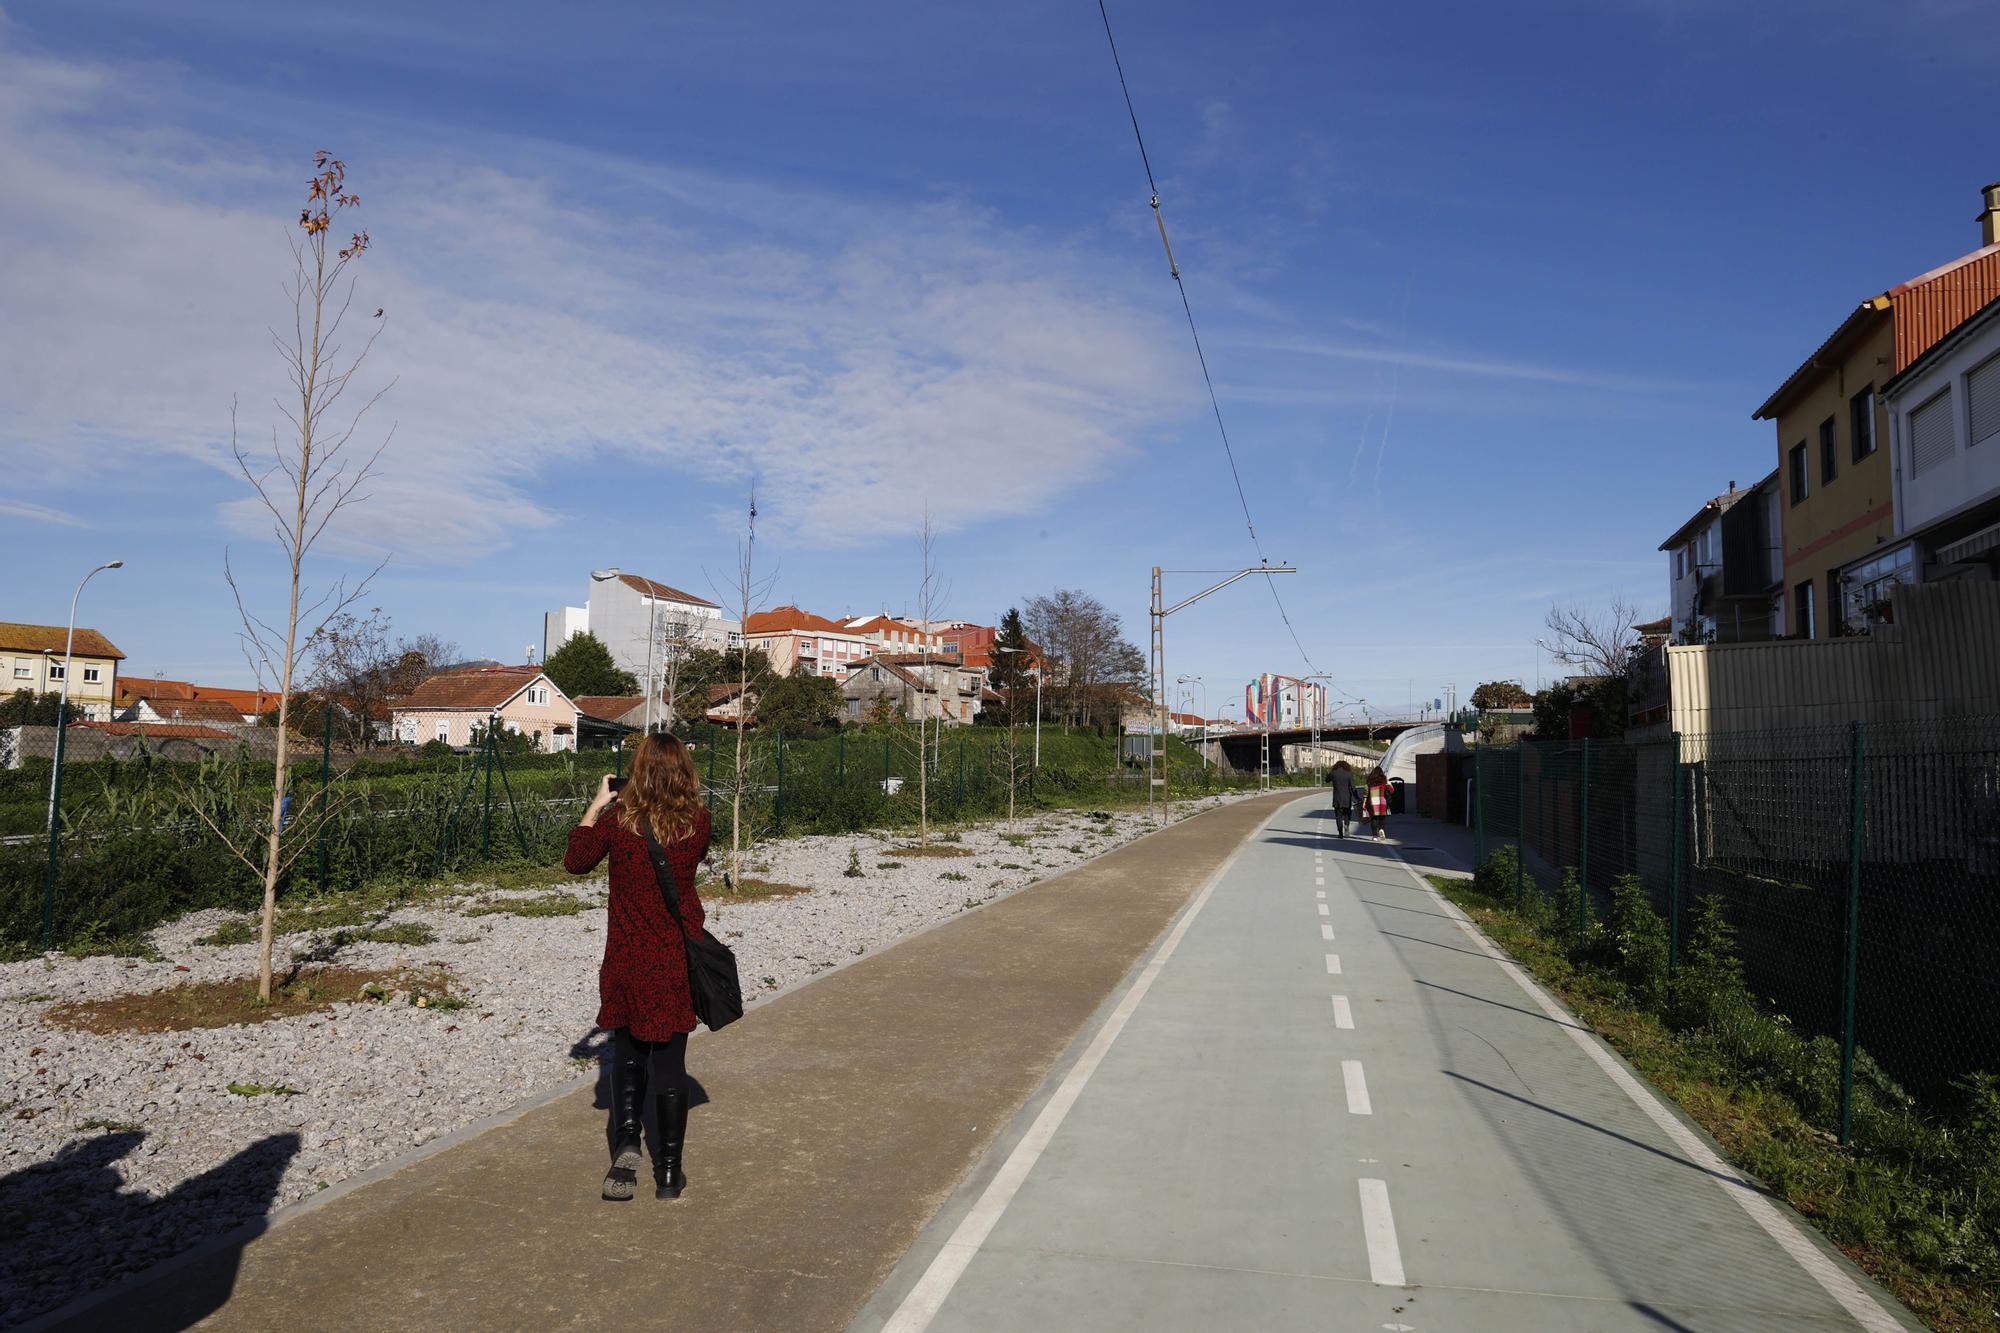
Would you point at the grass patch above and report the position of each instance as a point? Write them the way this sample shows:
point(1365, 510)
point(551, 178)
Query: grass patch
point(218, 1004)
point(953, 875)
point(1014, 839)
point(931, 851)
point(888, 865)
point(541, 905)
point(764, 888)
point(1913, 1202)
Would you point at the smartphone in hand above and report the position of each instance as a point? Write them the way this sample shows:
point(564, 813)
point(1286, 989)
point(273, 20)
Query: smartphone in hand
point(616, 783)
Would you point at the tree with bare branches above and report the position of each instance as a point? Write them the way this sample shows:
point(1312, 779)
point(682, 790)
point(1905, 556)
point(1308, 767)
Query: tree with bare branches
point(750, 595)
point(308, 477)
point(1597, 641)
point(931, 593)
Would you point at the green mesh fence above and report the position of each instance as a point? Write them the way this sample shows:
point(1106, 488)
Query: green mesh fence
point(1859, 866)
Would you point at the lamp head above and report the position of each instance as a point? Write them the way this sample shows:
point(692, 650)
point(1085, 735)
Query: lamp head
point(116, 564)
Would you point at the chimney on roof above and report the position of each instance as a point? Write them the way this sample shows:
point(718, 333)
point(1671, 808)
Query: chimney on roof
point(1732, 485)
point(1989, 219)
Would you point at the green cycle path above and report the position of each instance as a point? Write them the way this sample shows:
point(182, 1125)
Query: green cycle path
point(1325, 1103)
point(1237, 1074)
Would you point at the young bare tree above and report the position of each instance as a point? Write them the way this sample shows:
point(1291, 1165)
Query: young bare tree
point(930, 595)
point(750, 593)
point(309, 476)
point(1597, 641)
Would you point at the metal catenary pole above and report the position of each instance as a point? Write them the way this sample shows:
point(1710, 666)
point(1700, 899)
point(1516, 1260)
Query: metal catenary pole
point(1857, 779)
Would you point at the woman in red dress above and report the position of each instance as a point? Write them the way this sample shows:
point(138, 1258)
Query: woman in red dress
point(642, 987)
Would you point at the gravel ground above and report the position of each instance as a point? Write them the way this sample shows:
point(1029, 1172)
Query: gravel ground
point(118, 1151)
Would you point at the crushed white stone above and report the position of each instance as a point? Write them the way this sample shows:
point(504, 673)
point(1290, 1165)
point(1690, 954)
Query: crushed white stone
point(119, 1151)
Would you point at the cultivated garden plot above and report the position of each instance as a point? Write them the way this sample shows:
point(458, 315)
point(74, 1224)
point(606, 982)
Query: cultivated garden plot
point(140, 1114)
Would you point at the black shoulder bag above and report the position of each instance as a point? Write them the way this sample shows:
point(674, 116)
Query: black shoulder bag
point(711, 967)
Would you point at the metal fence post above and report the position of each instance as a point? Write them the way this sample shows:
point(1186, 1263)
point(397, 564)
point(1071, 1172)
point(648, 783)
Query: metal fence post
point(1478, 809)
point(1856, 781)
point(1674, 883)
point(486, 820)
point(711, 770)
point(325, 777)
point(1521, 826)
point(1583, 848)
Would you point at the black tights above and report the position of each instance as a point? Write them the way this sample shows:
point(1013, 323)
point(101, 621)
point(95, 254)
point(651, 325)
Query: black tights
point(665, 1061)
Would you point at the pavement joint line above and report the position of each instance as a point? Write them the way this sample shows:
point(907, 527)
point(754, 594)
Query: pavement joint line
point(923, 1301)
point(1851, 1296)
point(1333, 964)
point(1343, 1013)
point(1378, 1225)
point(1325, 931)
point(1357, 1088)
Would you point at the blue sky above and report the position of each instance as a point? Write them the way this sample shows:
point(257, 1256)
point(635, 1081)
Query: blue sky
point(1489, 294)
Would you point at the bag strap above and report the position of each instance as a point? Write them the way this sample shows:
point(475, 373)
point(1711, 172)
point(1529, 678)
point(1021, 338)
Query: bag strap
point(664, 877)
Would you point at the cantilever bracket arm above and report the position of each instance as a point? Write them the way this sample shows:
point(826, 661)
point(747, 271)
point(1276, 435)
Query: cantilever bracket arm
point(1218, 587)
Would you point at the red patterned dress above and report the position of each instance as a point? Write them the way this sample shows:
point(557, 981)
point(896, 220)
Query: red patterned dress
point(643, 983)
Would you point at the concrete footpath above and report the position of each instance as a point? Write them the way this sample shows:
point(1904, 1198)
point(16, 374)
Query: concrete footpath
point(842, 1115)
point(1323, 1104)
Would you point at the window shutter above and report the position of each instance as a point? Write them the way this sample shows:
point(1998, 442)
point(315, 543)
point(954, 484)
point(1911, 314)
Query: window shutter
point(1982, 400)
point(1930, 434)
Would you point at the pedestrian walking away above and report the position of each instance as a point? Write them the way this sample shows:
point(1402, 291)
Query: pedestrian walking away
point(1342, 783)
point(643, 996)
point(1378, 801)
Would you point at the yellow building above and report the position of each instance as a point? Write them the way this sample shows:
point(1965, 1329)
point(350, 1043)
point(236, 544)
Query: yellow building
point(31, 658)
point(1834, 473)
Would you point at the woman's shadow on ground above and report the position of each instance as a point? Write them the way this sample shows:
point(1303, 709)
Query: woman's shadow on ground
point(91, 1223)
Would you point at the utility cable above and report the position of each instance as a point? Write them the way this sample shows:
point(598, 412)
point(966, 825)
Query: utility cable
point(1201, 356)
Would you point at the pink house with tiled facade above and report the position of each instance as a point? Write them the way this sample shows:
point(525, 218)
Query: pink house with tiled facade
point(450, 706)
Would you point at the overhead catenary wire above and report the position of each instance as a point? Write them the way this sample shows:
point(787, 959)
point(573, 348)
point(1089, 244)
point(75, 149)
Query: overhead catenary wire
point(1201, 355)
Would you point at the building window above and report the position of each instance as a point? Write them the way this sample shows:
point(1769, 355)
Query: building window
point(444, 729)
point(854, 708)
point(1982, 401)
point(92, 675)
point(1861, 422)
point(1931, 434)
point(1834, 628)
point(1865, 587)
point(1802, 607)
point(1829, 453)
point(56, 669)
point(1798, 468)
point(537, 694)
point(23, 668)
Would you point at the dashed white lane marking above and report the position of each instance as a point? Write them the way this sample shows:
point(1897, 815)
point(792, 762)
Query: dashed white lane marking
point(1333, 964)
point(1779, 1226)
point(928, 1296)
point(1320, 894)
point(1343, 1016)
point(1325, 930)
point(1378, 1224)
point(1357, 1088)
point(1324, 910)
point(1319, 879)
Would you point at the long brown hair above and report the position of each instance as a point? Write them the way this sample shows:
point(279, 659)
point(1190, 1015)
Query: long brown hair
point(662, 790)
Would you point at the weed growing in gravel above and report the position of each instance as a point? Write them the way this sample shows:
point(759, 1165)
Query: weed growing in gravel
point(430, 988)
point(541, 905)
point(888, 865)
point(581, 1062)
point(1015, 839)
point(1008, 865)
point(262, 1089)
point(954, 875)
point(969, 904)
point(109, 1126)
point(1074, 849)
point(853, 870)
point(770, 983)
point(34, 999)
point(409, 932)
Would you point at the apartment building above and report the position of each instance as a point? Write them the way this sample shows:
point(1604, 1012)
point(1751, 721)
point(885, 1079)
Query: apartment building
point(1838, 511)
point(790, 635)
point(31, 658)
point(1725, 570)
point(625, 609)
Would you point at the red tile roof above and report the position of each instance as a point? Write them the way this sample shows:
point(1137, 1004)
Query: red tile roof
point(608, 707)
point(663, 591)
point(132, 688)
point(16, 637)
point(476, 688)
point(785, 619)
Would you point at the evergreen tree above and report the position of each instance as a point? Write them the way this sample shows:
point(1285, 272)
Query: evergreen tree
point(1012, 672)
point(584, 666)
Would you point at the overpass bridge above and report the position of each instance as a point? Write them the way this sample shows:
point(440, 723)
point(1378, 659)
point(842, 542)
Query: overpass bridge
point(1243, 748)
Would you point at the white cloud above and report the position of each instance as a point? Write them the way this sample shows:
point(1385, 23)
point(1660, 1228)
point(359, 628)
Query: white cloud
point(38, 513)
point(550, 311)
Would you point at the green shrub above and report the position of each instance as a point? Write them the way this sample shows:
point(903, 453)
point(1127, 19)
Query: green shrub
point(1498, 873)
point(1637, 937)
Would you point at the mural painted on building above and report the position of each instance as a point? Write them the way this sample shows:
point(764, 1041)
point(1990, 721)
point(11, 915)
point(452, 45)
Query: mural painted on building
point(1285, 701)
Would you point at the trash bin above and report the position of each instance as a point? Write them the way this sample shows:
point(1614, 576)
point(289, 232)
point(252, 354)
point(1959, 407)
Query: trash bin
point(1395, 796)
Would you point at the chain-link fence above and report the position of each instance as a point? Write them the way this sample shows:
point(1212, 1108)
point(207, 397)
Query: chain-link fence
point(148, 832)
point(1857, 865)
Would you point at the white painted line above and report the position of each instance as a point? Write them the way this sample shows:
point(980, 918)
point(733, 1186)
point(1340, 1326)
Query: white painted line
point(1324, 910)
point(1320, 880)
point(928, 1296)
point(1325, 930)
point(1778, 1224)
point(1333, 964)
point(1378, 1224)
point(1343, 1016)
point(1320, 894)
point(1357, 1088)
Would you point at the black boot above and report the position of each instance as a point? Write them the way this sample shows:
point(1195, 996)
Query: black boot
point(668, 1178)
point(628, 1099)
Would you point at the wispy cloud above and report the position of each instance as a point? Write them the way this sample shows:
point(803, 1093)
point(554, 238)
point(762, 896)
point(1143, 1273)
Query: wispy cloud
point(551, 311)
point(1463, 364)
point(38, 513)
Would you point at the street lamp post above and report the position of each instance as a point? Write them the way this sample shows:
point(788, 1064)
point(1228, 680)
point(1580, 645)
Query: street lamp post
point(652, 632)
point(1197, 680)
point(55, 777)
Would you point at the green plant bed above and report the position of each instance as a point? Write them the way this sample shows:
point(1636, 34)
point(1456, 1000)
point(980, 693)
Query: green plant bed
point(1915, 1199)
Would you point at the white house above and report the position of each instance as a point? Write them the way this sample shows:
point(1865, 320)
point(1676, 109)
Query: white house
point(1725, 568)
point(623, 609)
point(1944, 437)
